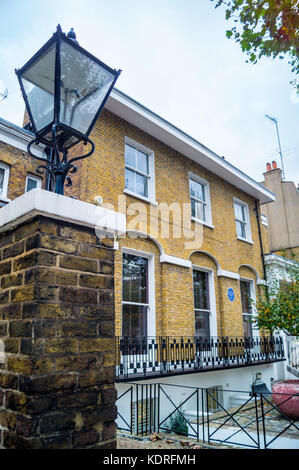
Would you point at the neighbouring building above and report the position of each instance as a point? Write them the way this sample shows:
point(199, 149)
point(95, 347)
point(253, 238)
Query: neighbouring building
point(281, 219)
point(17, 168)
point(279, 271)
point(192, 256)
point(282, 214)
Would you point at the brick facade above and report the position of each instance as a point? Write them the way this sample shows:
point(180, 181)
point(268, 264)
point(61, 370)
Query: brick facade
point(20, 164)
point(57, 324)
point(104, 174)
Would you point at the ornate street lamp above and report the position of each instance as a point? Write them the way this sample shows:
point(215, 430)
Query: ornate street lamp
point(64, 88)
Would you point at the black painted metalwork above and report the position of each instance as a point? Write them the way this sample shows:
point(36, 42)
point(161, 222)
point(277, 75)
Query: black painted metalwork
point(164, 424)
point(55, 133)
point(230, 418)
point(147, 357)
point(257, 214)
point(124, 421)
point(260, 389)
point(248, 425)
point(56, 166)
point(266, 399)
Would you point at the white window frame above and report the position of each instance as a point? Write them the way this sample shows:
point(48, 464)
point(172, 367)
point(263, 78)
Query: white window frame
point(6, 168)
point(151, 198)
point(207, 202)
point(264, 220)
point(255, 330)
point(151, 317)
point(212, 298)
point(35, 178)
point(248, 237)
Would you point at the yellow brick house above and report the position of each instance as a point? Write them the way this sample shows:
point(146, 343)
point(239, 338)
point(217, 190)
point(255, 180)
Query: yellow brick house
point(192, 256)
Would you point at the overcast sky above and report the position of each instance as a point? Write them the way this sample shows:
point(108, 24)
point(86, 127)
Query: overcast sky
point(177, 61)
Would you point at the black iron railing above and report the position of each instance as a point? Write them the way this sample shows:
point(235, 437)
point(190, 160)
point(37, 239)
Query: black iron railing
point(207, 416)
point(163, 355)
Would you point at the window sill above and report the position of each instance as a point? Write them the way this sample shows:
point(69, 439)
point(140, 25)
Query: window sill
point(244, 240)
point(202, 222)
point(138, 196)
point(4, 199)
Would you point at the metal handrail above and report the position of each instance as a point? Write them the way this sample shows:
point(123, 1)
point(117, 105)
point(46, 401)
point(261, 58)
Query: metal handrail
point(148, 355)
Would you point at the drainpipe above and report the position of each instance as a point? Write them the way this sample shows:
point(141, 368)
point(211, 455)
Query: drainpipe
point(257, 214)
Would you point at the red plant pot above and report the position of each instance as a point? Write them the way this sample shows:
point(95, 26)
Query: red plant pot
point(287, 403)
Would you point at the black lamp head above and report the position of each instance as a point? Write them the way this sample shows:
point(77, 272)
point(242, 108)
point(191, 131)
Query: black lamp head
point(66, 86)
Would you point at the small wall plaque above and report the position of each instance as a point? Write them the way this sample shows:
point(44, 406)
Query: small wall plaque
point(231, 294)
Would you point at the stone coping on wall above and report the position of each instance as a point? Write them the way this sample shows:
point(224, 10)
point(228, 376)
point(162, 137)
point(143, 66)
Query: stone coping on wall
point(41, 202)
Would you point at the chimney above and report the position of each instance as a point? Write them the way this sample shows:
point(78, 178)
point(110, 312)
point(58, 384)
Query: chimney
point(269, 167)
point(274, 165)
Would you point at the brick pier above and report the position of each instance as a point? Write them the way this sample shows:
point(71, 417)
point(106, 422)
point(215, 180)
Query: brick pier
point(57, 324)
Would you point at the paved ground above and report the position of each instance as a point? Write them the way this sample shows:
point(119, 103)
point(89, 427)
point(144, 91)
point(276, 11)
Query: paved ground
point(166, 442)
point(274, 422)
point(125, 443)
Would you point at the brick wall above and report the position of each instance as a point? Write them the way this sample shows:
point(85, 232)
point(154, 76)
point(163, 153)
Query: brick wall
point(104, 174)
point(57, 324)
point(20, 164)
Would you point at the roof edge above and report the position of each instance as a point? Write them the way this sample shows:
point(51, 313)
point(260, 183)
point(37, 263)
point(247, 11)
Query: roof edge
point(171, 128)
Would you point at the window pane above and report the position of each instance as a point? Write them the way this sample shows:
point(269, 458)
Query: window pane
point(135, 273)
point(31, 184)
point(241, 231)
point(142, 162)
point(130, 156)
point(245, 296)
point(197, 190)
point(201, 290)
point(247, 325)
point(141, 185)
point(202, 324)
point(130, 180)
point(239, 212)
point(2, 172)
point(134, 322)
point(198, 210)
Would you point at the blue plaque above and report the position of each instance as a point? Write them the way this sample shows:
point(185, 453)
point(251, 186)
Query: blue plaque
point(231, 294)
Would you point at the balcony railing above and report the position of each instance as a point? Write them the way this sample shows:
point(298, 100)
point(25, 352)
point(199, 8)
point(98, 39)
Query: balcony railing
point(165, 355)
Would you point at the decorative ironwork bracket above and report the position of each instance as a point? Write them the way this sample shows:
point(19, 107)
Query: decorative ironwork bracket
point(58, 167)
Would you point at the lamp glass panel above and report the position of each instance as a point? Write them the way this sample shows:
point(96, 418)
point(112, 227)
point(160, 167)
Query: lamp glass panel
point(84, 86)
point(38, 82)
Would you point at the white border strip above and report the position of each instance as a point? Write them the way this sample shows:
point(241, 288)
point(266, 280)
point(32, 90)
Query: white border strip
point(137, 114)
point(223, 273)
point(174, 260)
point(39, 201)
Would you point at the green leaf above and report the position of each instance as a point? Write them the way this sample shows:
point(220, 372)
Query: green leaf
point(266, 28)
point(229, 34)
